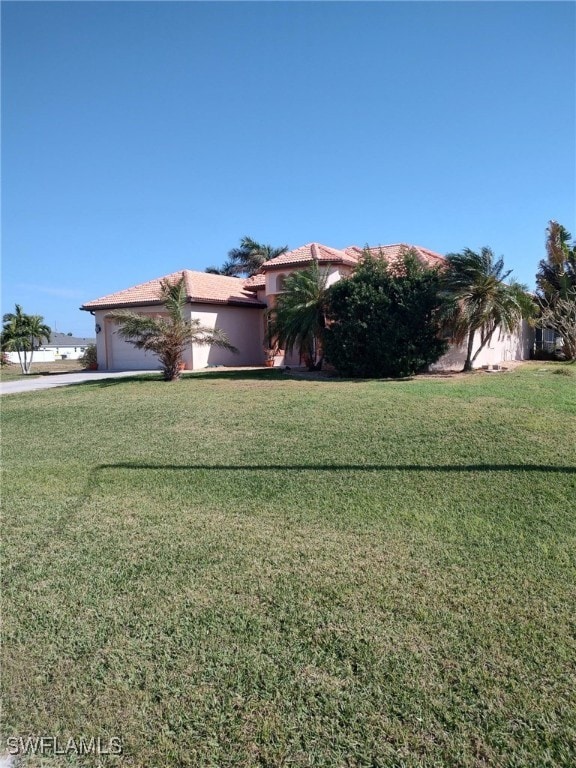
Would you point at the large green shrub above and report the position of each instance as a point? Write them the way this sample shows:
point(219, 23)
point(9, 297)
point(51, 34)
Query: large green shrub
point(384, 320)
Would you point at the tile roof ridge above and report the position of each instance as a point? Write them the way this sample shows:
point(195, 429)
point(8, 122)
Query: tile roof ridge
point(188, 285)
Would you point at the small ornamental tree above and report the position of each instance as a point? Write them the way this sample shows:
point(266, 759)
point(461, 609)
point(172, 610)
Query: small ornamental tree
point(384, 320)
point(23, 334)
point(89, 357)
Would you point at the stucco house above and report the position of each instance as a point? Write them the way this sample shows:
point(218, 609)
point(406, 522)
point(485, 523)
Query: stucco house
point(238, 306)
point(60, 346)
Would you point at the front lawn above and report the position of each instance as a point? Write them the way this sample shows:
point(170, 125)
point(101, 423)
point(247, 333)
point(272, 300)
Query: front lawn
point(14, 371)
point(254, 570)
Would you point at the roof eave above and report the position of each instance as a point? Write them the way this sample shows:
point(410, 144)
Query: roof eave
point(299, 262)
point(124, 305)
point(248, 302)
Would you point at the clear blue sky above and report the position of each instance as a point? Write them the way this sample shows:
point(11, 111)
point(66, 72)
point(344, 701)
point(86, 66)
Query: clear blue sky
point(142, 138)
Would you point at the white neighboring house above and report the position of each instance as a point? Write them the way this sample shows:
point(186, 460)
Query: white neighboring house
point(59, 347)
point(238, 306)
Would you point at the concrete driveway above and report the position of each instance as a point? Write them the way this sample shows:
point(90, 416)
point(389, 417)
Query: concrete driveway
point(61, 380)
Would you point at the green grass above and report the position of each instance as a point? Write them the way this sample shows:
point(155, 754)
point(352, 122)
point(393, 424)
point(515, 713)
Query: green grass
point(14, 371)
point(253, 570)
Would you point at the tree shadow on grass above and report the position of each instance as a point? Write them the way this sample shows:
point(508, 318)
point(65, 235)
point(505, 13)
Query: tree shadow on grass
point(263, 374)
point(187, 377)
point(142, 378)
point(343, 467)
point(259, 374)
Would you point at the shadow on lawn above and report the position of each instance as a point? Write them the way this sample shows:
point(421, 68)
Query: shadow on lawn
point(345, 467)
point(258, 374)
point(188, 376)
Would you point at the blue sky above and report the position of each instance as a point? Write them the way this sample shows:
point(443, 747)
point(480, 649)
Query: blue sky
point(140, 138)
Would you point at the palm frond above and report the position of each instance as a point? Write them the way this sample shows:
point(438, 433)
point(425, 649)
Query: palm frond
point(480, 301)
point(298, 320)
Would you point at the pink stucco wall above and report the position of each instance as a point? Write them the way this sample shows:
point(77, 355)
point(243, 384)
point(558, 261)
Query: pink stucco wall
point(244, 327)
point(502, 348)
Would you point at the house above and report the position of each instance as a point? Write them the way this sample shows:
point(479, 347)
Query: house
point(238, 306)
point(61, 346)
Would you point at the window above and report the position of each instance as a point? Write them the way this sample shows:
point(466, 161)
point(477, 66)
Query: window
point(280, 280)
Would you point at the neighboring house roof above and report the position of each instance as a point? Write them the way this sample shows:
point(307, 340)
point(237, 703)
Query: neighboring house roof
point(63, 340)
point(201, 287)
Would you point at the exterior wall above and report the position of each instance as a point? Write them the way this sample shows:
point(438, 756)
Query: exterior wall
point(335, 273)
point(244, 327)
point(46, 354)
point(100, 340)
point(52, 354)
point(115, 354)
point(272, 287)
point(502, 348)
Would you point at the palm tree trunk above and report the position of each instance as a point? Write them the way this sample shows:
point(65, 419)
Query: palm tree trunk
point(20, 359)
point(468, 362)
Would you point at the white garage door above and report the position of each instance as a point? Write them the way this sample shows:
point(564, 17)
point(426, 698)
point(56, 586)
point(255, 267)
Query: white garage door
point(123, 356)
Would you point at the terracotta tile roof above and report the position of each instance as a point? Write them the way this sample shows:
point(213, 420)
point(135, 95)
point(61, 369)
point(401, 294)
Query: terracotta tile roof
point(395, 252)
point(306, 253)
point(350, 256)
point(255, 282)
point(201, 287)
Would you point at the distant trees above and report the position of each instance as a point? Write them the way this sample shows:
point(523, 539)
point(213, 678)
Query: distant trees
point(384, 320)
point(246, 260)
point(479, 300)
point(168, 337)
point(22, 333)
point(556, 287)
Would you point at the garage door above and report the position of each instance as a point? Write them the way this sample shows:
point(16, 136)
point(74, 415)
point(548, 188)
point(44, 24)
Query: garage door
point(123, 356)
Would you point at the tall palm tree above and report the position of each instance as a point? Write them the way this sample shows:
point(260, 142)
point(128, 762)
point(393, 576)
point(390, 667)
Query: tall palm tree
point(229, 269)
point(298, 319)
point(556, 276)
point(480, 301)
point(246, 260)
point(251, 255)
point(23, 334)
point(556, 287)
point(168, 337)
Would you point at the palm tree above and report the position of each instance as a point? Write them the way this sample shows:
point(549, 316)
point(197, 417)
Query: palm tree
point(228, 269)
point(246, 260)
point(168, 337)
point(479, 299)
point(23, 334)
point(298, 319)
point(556, 281)
point(556, 276)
